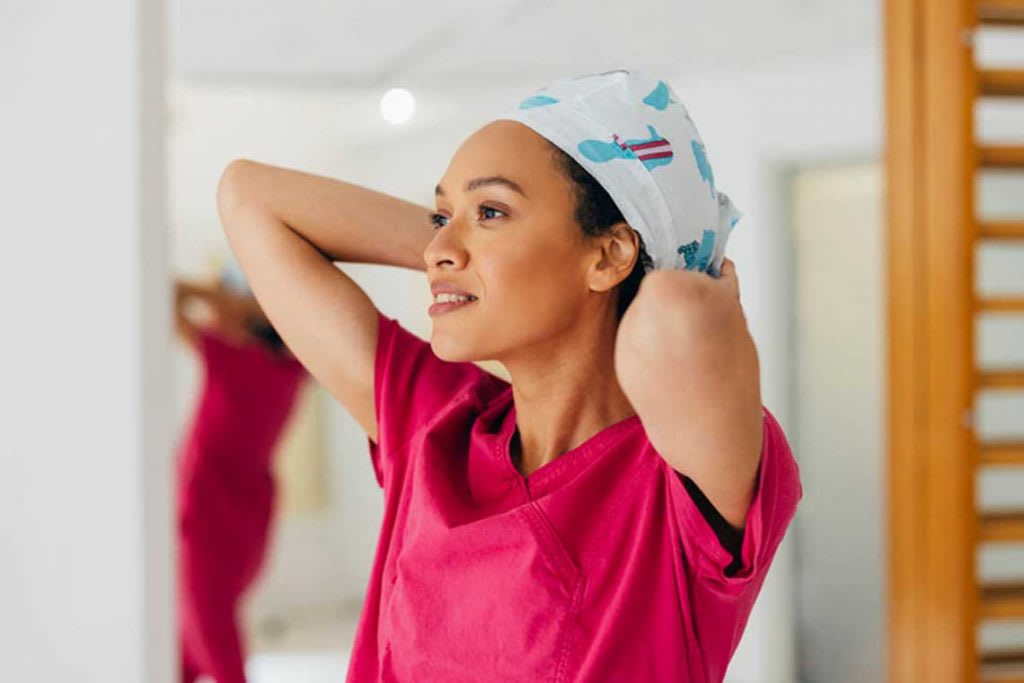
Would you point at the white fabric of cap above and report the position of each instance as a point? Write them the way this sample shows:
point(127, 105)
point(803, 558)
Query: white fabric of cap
point(629, 130)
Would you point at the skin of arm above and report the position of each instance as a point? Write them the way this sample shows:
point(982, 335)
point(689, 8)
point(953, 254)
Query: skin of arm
point(343, 221)
point(289, 229)
point(688, 364)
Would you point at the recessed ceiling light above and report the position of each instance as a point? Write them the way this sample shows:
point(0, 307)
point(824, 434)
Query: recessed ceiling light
point(397, 105)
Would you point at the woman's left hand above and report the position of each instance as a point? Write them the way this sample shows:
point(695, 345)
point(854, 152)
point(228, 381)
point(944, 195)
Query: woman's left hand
point(728, 277)
point(671, 290)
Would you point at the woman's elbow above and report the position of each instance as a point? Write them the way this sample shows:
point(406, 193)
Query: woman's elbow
point(231, 189)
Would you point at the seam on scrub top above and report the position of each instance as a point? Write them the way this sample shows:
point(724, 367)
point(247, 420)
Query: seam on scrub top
point(569, 628)
point(575, 586)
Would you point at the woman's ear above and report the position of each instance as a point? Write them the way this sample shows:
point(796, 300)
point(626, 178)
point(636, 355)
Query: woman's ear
point(618, 251)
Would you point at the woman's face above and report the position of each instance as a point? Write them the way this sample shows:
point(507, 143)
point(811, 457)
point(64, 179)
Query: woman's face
point(515, 245)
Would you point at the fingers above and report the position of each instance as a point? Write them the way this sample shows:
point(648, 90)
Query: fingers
point(729, 275)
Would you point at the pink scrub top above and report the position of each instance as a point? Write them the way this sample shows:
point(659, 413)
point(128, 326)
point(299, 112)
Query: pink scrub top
point(598, 566)
point(225, 496)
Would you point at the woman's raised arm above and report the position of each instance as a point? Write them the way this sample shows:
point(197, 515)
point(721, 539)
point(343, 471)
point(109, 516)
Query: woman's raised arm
point(286, 227)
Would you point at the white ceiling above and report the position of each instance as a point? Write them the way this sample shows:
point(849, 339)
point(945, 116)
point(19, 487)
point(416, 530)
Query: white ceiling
point(466, 44)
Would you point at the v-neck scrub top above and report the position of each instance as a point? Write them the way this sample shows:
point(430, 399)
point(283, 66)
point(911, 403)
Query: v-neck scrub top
point(598, 566)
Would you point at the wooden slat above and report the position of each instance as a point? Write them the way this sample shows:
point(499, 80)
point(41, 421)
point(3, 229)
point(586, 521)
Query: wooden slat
point(1001, 379)
point(1001, 12)
point(931, 164)
point(1005, 665)
point(990, 675)
point(1001, 156)
point(1001, 526)
point(1001, 230)
point(1012, 673)
point(1001, 82)
point(1002, 600)
point(999, 304)
point(1003, 655)
point(1001, 453)
point(910, 614)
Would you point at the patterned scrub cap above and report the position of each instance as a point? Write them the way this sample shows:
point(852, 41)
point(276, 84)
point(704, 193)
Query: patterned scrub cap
point(629, 130)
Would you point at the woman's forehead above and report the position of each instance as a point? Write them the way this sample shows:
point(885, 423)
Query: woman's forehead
point(515, 155)
point(506, 132)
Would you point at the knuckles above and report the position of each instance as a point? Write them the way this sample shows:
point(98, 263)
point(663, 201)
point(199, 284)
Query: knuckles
point(671, 304)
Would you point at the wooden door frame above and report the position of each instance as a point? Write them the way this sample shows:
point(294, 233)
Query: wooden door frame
point(930, 161)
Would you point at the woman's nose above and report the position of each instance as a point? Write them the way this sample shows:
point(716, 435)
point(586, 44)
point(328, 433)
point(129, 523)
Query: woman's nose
point(445, 246)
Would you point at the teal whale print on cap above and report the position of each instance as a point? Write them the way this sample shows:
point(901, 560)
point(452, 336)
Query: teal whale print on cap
point(659, 98)
point(703, 166)
point(653, 151)
point(537, 101)
point(698, 256)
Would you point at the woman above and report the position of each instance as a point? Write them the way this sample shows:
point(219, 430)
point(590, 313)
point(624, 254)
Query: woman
point(225, 486)
point(611, 512)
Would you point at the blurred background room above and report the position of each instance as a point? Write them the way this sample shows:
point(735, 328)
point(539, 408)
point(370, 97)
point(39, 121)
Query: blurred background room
point(875, 148)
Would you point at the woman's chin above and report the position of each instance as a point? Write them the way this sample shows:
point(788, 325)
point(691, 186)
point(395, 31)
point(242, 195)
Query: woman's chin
point(450, 350)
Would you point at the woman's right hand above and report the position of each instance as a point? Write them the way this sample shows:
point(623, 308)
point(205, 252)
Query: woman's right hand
point(201, 306)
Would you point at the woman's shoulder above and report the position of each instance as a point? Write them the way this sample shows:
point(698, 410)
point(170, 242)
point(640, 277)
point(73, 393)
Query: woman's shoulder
point(412, 385)
point(406, 355)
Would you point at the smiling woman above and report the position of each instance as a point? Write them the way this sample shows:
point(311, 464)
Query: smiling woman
point(532, 528)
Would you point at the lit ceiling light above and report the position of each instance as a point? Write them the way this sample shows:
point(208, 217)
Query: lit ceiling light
point(397, 105)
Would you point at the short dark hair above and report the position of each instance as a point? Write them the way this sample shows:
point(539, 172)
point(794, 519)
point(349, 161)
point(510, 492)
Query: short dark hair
point(596, 213)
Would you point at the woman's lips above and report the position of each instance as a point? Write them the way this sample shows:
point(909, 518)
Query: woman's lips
point(439, 308)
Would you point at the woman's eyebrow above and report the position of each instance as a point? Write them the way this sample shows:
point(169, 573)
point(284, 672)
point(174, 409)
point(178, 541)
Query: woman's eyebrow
point(481, 182)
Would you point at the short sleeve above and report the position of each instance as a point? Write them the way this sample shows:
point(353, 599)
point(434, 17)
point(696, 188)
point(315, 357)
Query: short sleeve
point(411, 384)
point(777, 491)
point(730, 537)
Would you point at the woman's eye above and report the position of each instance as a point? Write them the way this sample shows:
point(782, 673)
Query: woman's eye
point(491, 208)
point(436, 218)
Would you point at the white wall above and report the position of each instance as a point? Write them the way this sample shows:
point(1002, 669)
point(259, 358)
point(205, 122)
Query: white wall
point(839, 225)
point(85, 575)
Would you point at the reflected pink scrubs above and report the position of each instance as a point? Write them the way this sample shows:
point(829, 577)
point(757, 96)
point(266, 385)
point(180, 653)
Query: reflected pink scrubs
point(225, 494)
